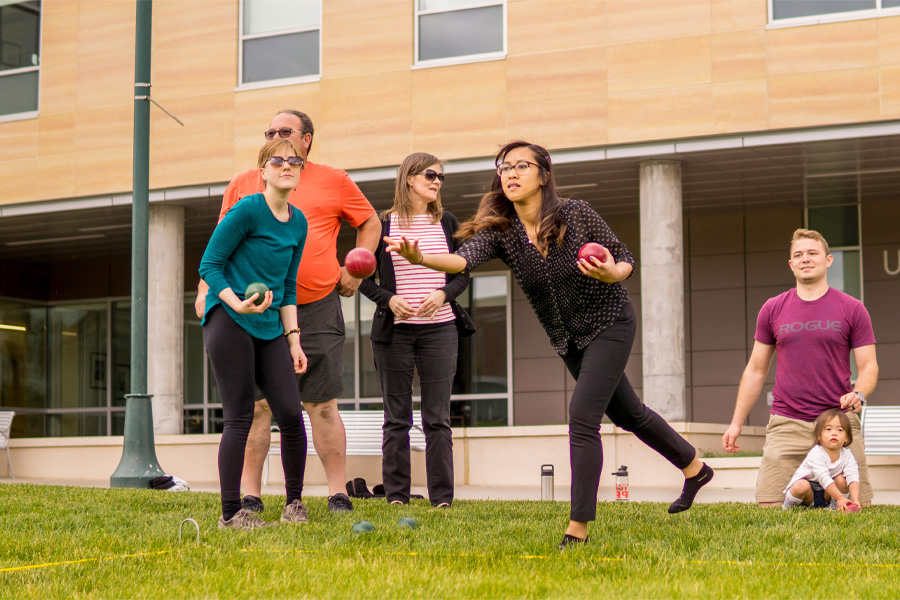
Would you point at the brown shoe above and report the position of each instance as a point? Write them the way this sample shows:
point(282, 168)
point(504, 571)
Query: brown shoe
point(244, 520)
point(295, 512)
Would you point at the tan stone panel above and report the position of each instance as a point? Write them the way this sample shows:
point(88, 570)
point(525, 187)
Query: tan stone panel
point(659, 63)
point(103, 172)
point(559, 122)
point(890, 92)
point(58, 22)
point(19, 139)
point(56, 134)
point(180, 24)
point(461, 131)
point(17, 178)
point(728, 15)
point(55, 176)
point(548, 75)
point(365, 37)
point(105, 53)
point(660, 113)
point(823, 98)
point(828, 47)
point(387, 94)
point(739, 55)
point(105, 128)
point(201, 69)
point(59, 85)
point(631, 21)
point(547, 25)
point(366, 143)
point(208, 134)
point(254, 109)
point(740, 106)
point(889, 41)
point(448, 89)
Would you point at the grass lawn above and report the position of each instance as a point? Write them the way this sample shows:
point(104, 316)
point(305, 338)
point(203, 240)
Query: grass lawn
point(62, 542)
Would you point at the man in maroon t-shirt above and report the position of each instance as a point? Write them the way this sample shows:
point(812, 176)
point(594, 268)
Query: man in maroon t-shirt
point(814, 328)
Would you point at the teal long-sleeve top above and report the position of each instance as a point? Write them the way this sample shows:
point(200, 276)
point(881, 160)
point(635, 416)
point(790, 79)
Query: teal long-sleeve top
point(248, 245)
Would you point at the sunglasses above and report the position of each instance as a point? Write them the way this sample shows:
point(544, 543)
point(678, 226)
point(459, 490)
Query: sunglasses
point(431, 175)
point(277, 161)
point(284, 132)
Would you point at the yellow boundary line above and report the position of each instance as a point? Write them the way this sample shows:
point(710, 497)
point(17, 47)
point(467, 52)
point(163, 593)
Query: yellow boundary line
point(82, 560)
point(615, 559)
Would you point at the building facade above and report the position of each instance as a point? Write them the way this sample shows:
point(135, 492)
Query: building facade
point(703, 131)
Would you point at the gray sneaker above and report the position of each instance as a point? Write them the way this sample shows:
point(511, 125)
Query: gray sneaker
point(295, 512)
point(244, 520)
point(339, 503)
point(253, 504)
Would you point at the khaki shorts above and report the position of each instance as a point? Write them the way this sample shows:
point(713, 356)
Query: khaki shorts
point(788, 441)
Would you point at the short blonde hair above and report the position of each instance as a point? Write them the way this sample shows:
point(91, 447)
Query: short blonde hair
point(274, 146)
point(810, 234)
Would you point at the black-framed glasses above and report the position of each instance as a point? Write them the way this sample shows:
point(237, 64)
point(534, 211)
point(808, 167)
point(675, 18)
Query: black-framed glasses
point(431, 175)
point(278, 161)
point(521, 168)
point(284, 132)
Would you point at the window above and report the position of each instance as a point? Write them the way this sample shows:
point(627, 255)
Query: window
point(832, 209)
point(804, 12)
point(280, 42)
point(20, 37)
point(455, 31)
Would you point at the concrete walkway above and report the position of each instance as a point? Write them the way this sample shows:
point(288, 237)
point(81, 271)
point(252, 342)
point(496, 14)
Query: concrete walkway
point(471, 492)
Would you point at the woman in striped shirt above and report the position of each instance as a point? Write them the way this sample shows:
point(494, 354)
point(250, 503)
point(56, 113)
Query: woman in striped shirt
point(414, 328)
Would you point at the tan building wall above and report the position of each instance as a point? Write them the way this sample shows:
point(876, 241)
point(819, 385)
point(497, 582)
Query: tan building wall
point(578, 73)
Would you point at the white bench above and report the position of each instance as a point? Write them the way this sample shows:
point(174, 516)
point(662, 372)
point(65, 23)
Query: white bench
point(881, 430)
point(6, 418)
point(364, 435)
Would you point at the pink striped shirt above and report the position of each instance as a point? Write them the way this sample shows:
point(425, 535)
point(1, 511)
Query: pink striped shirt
point(415, 282)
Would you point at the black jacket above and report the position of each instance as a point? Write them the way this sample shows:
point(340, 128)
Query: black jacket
point(383, 321)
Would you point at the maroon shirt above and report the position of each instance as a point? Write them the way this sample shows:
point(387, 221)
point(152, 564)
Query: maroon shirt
point(813, 340)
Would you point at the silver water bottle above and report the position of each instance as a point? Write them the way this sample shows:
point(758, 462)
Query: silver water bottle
point(546, 482)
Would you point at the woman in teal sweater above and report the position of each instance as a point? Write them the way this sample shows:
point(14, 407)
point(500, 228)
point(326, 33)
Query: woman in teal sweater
point(260, 239)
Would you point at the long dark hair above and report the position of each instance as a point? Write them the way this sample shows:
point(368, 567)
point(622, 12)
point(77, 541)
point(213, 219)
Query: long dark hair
point(496, 210)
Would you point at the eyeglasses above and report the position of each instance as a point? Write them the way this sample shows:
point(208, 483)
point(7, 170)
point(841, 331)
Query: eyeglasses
point(431, 175)
point(284, 132)
point(521, 168)
point(278, 161)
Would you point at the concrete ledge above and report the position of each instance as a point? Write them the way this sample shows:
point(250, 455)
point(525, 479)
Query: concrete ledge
point(486, 456)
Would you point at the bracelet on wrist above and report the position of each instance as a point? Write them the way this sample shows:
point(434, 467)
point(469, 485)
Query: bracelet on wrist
point(287, 333)
point(421, 260)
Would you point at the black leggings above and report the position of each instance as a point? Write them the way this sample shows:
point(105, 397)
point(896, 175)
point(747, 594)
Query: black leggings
point(241, 361)
point(602, 388)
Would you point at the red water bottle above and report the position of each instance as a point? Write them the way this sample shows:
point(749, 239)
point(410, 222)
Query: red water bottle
point(621, 483)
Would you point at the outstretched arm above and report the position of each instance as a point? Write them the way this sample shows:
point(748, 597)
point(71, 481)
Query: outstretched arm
point(448, 263)
point(751, 385)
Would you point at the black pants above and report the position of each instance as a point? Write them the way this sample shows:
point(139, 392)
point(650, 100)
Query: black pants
point(602, 388)
point(241, 361)
point(430, 349)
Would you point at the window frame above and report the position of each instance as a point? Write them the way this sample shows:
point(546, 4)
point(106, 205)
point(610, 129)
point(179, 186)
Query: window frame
point(268, 83)
point(462, 59)
point(30, 114)
point(354, 403)
point(855, 15)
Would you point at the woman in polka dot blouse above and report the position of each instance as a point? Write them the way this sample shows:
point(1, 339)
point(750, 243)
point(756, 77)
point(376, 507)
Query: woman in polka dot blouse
point(580, 303)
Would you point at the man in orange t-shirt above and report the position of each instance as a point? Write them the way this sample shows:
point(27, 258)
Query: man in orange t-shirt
point(325, 195)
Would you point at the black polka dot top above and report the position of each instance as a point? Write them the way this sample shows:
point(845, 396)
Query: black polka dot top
point(572, 307)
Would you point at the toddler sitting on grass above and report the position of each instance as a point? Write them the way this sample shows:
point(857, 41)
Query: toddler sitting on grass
point(829, 472)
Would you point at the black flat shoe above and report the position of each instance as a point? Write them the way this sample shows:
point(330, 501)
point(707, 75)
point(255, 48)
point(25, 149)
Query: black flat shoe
point(692, 485)
point(570, 540)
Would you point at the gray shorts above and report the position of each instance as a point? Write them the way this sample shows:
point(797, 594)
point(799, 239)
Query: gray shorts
point(322, 337)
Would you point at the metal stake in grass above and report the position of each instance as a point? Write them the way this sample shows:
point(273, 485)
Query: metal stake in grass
point(180, 527)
